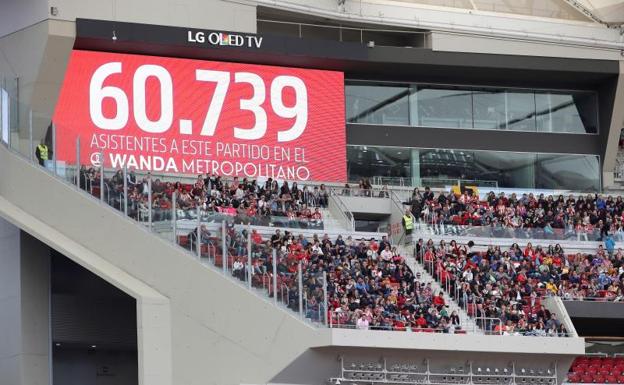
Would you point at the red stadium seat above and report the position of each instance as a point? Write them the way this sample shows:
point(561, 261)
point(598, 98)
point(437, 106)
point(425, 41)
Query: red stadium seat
point(574, 377)
point(611, 379)
point(587, 379)
point(604, 371)
point(592, 370)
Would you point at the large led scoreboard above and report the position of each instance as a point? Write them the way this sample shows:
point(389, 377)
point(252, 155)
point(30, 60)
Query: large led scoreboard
point(186, 116)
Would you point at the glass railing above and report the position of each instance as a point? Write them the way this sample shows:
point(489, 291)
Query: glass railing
point(515, 233)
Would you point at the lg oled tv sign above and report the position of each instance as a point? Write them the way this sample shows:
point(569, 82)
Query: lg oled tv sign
point(191, 116)
point(226, 39)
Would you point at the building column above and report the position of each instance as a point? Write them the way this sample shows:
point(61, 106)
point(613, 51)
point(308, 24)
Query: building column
point(24, 300)
point(10, 328)
point(36, 341)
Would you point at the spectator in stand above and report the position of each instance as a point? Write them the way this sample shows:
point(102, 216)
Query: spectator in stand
point(266, 204)
point(589, 217)
point(506, 283)
point(368, 288)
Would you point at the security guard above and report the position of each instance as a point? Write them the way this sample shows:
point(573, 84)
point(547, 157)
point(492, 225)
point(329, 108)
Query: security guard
point(408, 222)
point(42, 153)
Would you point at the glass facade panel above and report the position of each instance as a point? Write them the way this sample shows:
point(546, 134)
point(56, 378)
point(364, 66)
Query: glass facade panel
point(507, 169)
point(489, 110)
point(520, 111)
point(439, 167)
point(366, 162)
point(566, 112)
point(466, 107)
point(571, 172)
point(443, 107)
point(377, 104)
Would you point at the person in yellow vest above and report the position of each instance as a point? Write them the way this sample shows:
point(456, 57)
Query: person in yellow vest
point(42, 153)
point(408, 222)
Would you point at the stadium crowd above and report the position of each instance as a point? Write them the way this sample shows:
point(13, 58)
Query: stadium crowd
point(507, 284)
point(369, 284)
point(522, 216)
point(244, 199)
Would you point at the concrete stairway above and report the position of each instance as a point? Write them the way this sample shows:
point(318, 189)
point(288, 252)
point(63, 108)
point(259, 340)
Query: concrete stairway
point(467, 323)
point(331, 223)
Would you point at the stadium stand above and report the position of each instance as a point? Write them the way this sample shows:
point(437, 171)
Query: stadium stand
point(506, 285)
point(585, 217)
point(272, 204)
point(597, 370)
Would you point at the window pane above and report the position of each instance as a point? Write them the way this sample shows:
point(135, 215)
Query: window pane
point(489, 109)
point(521, 111)
point(508, 169)
point(568, 172)
point(483, 168)
point(445, 164)
point(450, 108)
point(441, 167)
point(369, 162)
point(566, 113)
point(377, 104)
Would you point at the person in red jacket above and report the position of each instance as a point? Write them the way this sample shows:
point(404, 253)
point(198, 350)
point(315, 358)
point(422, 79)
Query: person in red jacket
point(438, 300)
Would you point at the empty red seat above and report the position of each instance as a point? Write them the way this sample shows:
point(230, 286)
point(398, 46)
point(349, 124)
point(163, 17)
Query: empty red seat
point(599, 379)
point(574, 377)
point(587, 379)
point(610, 379)
point(604, 371)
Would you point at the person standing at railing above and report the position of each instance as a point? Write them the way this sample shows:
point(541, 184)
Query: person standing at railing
point(42, 153)
point(408, 225)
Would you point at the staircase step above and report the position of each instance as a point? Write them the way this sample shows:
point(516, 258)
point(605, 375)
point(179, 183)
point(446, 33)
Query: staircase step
point(467, 323)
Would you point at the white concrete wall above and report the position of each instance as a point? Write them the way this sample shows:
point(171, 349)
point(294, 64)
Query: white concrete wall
point(19, 14)
point(483, 28)
point(457, 42)
point(237, 16)
point(368, 205)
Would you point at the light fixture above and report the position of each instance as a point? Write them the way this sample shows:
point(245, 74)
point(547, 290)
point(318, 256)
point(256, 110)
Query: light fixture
point(93, 346)
point(57, 344)
point(371, 44)
point(114, 36)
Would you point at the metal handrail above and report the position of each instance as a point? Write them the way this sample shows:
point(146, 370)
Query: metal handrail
point(343, 210)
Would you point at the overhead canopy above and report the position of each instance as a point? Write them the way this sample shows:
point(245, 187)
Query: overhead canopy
point(608, 11)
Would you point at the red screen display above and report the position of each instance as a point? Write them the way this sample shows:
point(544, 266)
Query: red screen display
point(187, 116)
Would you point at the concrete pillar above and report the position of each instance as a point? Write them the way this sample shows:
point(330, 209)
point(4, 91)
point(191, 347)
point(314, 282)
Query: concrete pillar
point(24, 300)
point(10, 328)
point(35, 311)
